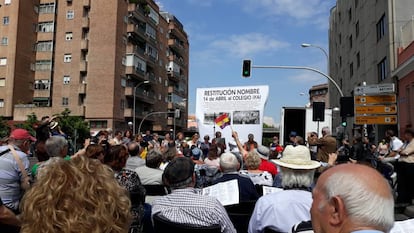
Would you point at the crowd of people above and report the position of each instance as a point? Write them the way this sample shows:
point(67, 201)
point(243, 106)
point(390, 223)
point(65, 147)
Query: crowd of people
point(104, 187)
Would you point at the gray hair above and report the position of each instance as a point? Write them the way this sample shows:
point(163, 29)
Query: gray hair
point(326, 130)
point(364, 206)
point(297, 178)
point(229, 163)
point(153, 159)
point(54, 146)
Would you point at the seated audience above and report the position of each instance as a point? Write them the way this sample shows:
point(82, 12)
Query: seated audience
point(129, 179)
point(258, 177)
point(185, 205)
point(346, 201)
point(230, 166)
point(281, 210)
point(56, 146)
point(95, 151)
point(150, 173)
point(79, 195)
point(213, 158)
point(134, 160)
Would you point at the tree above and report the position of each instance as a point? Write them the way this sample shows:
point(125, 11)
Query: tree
point(4, 128)
point(29, 124)
point(75, 127)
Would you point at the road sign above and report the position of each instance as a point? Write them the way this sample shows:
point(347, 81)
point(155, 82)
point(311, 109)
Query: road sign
point(376, 120)
point(376, 109)
point(375, 89)
point(376, 99)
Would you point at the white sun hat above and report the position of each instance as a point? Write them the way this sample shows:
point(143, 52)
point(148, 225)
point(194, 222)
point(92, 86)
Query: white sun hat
point(297, 157)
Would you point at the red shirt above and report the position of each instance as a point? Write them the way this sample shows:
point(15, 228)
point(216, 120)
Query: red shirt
point(268, 166)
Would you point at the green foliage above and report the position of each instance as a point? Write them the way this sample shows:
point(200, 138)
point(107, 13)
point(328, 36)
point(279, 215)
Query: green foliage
point(267, 141)
point(4, 128)
point(70, 124)
point(28, 124)
point(265, 126)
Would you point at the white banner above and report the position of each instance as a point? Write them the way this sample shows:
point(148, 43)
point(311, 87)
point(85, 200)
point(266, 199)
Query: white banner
point(244, 105)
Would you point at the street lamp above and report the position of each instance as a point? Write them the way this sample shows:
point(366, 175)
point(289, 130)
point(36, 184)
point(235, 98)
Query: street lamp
point(306, 45)
point(135, 97)
point(182, 103)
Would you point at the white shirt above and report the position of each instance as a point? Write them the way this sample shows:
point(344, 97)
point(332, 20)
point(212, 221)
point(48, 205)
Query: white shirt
point(281, 211)
point(396, 144)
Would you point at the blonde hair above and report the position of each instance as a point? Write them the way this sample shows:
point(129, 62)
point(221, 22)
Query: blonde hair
point(79, 195)
point(252, 160)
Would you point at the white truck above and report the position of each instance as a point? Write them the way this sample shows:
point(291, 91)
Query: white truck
point(299, 120)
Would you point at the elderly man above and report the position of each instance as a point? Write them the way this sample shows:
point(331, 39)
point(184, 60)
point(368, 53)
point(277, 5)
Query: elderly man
point(229, 165)
point(57, 146)
point(150, 174)
point(184, 205)
point(280, 211)
point(14, 165)
point(134, 161)
point(345, 201)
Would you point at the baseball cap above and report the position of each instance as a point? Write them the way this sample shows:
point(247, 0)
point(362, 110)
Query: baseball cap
point(22, 134)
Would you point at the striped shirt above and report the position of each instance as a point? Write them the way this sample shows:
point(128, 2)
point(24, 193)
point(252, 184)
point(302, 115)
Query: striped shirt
point(186, 206)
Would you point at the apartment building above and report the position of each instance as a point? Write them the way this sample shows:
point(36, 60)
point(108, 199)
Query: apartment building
point(364, 37)
point(100, 59)
point(319, 93)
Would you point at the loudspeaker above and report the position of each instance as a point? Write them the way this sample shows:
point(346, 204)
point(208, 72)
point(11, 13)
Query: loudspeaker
point(318, 111)
point(347, 106)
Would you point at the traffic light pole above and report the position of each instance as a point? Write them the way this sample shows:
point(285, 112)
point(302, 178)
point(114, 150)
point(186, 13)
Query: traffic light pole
point(303, 68)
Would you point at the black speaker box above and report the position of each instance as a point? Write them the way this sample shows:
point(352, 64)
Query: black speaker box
point(318, 111)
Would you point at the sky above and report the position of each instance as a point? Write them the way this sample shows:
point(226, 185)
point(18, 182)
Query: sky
point(269, 32)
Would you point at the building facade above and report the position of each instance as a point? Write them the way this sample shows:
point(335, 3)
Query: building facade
point(319, 93)
point(100, 59)
point(364, 37)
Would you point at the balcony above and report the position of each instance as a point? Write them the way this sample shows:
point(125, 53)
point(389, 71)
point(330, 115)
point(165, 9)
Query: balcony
point(84, 44)
point(129, 91)
point(137, 12)
point(176, 46)
point(41, 93)
point(82, 88)
point(86, 3)
point(128, 112)
point(151, 78)
point(174, 76)
point(145, 96)
point(135, 72)
point(134, 49)
point(83, 66)
point(136, 32)
point(85, 22)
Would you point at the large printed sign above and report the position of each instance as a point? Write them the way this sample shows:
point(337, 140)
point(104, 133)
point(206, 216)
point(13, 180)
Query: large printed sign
point(243, 105)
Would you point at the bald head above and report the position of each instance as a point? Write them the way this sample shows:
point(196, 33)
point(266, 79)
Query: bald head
point(350, 197)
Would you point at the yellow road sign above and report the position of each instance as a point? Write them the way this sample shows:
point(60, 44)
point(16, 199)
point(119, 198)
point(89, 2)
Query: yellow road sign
point(376, 109)
point(376, 120)
point(375, 99)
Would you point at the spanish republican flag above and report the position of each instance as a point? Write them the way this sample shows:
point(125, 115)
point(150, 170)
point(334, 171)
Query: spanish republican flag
point(222, 121)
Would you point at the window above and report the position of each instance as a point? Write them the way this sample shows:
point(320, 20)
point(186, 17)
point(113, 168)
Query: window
point(357, 29)
point(382, 69)
point(68, 36)
point(1, 103)
point(2, 82)
point(351, 69)
point(150, 31)
point(356, 3)
point(350, 41)
point(6, 20)
point(381, 27)
point(43, 46)
point(350, 14)
point(122, 104)
point(41, 84)
point(98, 124)
point(358, 58)
point(340, 38)
point(7, 2)
point(45, 27)
point(70, 14)
point(43, 65)
point(65, 101)
point(47, 8)
point(340, 61)
point(3, 61)
point(66, 79)
point(4, 40)
point(67, 58)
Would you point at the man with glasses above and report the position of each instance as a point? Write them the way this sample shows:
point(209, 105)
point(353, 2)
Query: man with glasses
point(13, 159)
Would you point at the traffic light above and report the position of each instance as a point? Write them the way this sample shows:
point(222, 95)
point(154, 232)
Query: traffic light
point(177, 113)
point(344, 122)
point(247, 66)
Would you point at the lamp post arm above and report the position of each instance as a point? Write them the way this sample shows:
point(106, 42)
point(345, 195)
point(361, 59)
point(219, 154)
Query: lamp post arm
point(303, 68)
point(150, 114)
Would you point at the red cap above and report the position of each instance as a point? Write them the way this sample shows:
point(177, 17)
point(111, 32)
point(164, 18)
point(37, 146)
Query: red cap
point(22, 134)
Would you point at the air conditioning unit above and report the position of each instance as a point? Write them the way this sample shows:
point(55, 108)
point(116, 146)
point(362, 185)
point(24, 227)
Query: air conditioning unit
point(170, 69)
